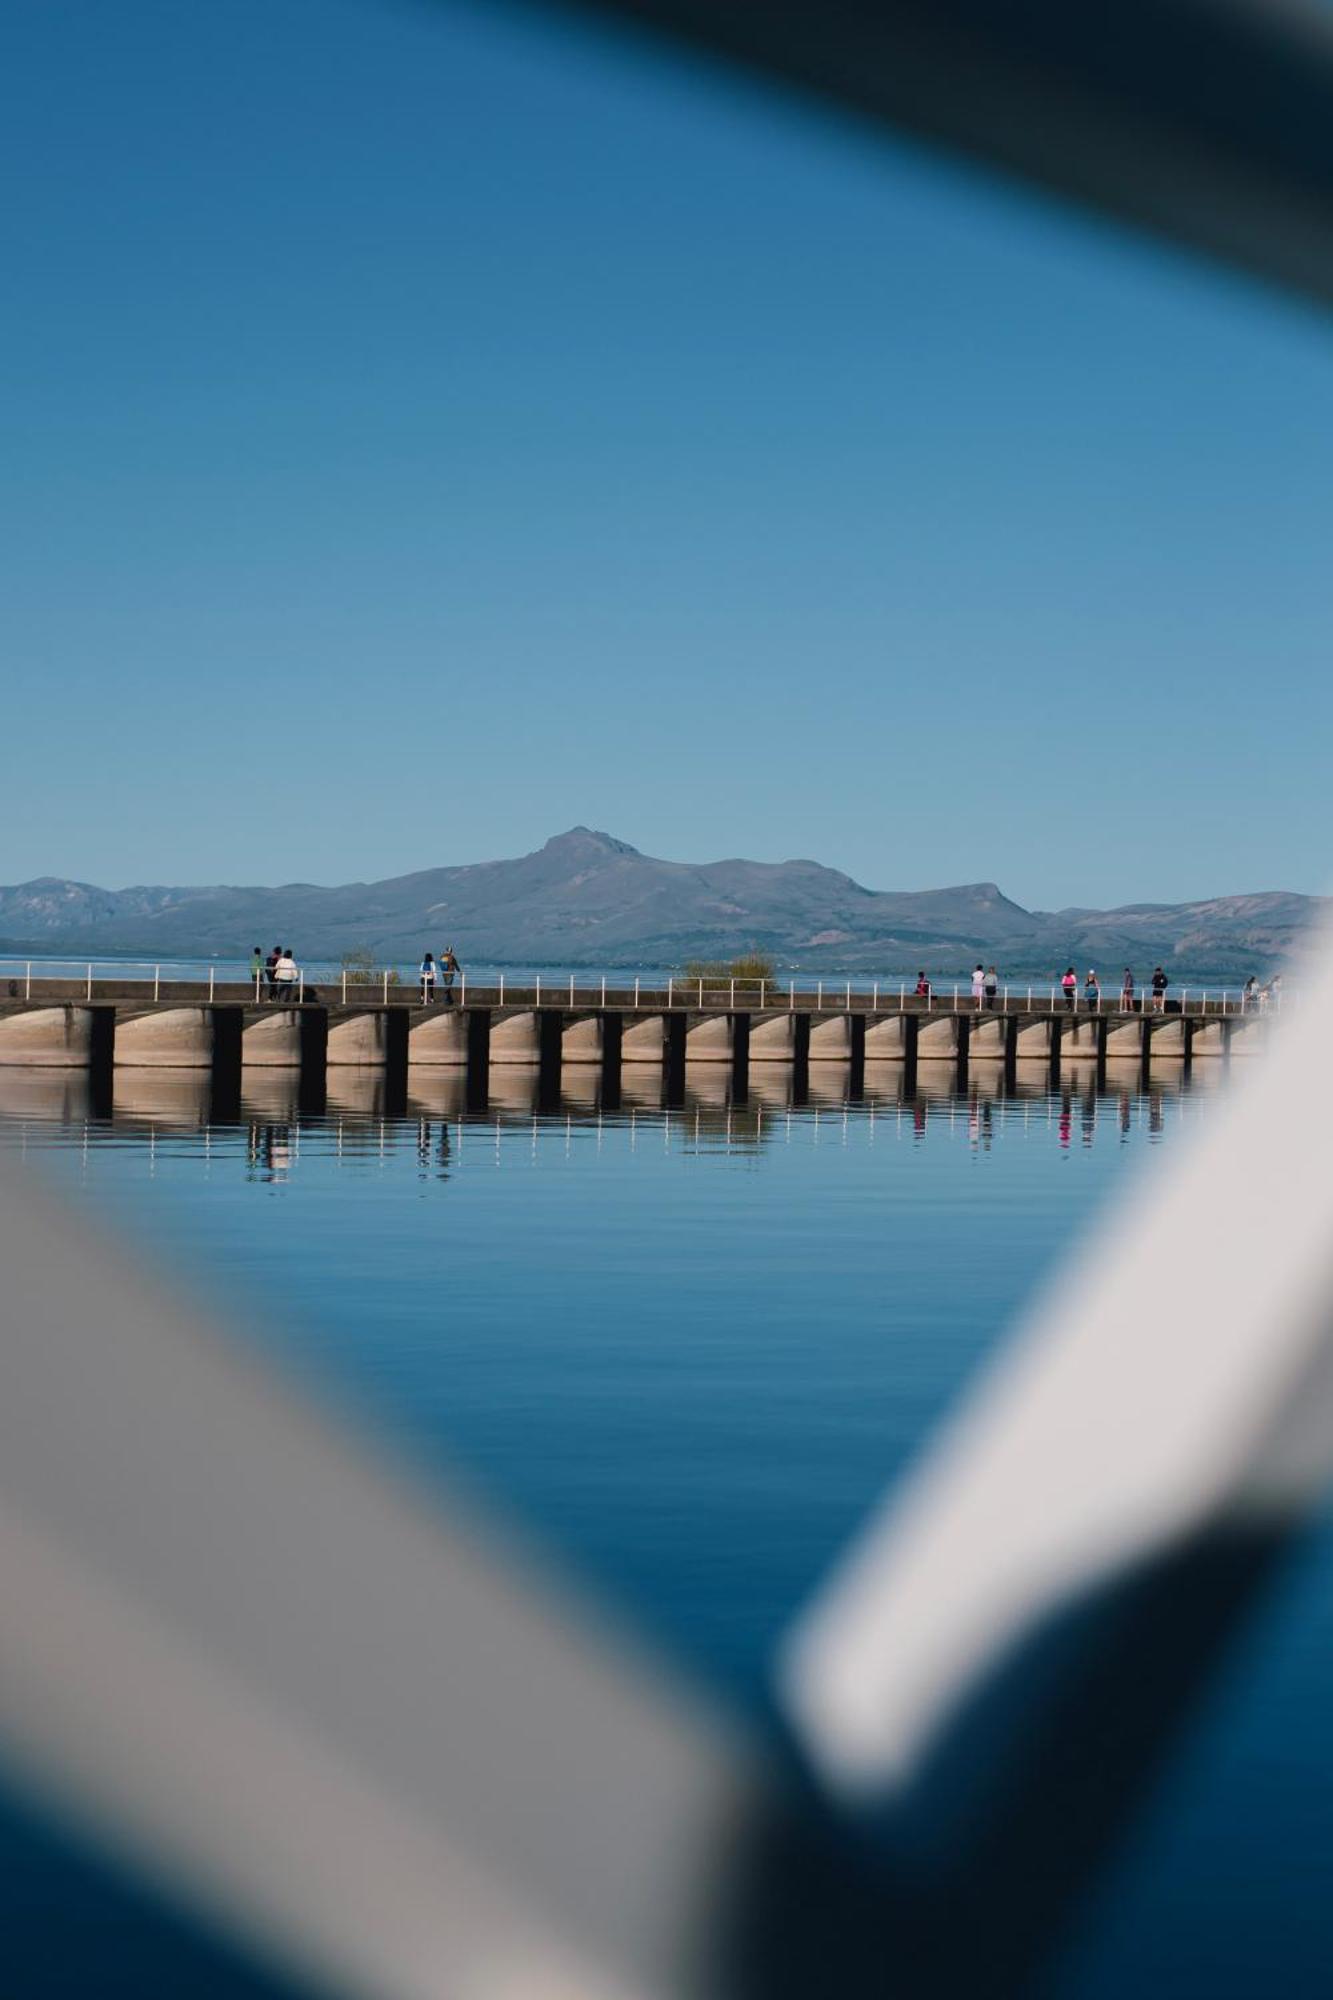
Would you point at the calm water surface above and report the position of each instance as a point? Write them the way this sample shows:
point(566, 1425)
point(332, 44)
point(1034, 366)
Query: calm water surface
point(687, 1347)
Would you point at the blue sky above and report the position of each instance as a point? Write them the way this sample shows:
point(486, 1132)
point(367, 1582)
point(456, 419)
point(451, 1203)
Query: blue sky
point(428, 426)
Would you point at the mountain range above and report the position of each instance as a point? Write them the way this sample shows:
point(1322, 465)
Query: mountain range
point(588, 899)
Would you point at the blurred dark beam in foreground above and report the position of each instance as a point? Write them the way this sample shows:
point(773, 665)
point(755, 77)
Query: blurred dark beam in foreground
point(1207, 121)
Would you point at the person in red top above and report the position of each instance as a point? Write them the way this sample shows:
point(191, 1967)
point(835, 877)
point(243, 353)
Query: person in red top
point(1069, 986)
point(922, 986)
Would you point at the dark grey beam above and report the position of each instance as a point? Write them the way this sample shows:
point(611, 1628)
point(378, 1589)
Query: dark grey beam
point(1207, 121)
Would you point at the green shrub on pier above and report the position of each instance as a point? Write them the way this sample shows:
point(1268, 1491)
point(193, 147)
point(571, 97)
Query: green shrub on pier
point(751, 969)
point(360, 967)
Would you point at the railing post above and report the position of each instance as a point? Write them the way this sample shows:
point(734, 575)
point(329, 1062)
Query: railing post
point(874, 997)
point(462, 991)
point(955, 996)
point(539, 989)
point(211, 974)
point(819, 1000)
point(90, 984)
point(502, 989)
point(157, 981)
point(300, 988)
point(761, 996)
point(731, 1003)
point(902, 996)
point(344, 985)
point(603, 989)
point(27, 983)
point(386, 987)
point(849, 996)
point(701, 993)
point(671, 989)
point(636, 994)
point(791, 997)
point(571, 989)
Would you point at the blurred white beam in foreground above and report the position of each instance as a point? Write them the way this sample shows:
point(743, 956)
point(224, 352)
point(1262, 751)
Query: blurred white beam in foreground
point(316, 1703)
point(1174, 1387)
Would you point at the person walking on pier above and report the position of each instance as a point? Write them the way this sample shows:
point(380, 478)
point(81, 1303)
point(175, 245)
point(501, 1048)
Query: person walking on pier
point(1092, 991)
point(1127, 992)
point(449, 967)
point(922, 986)
point(978, 988)
point(1160, 982)
point(271, 970)
point(991, 985)
point(427, 980)
point(1069, 987)
point(1249, 998)
point(257, 969)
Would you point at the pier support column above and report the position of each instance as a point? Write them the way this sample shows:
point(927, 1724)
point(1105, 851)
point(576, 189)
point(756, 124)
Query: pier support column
point(515, 1038)
point(1168, 1035)
point(773, 1038)
point(643, 1038)
point(437, 1038)
point(830, 1037)
point(167, 1038)
point(888, 1037)
point(48, 1038)
point(1081, 1036)
point(710, 1038)
point(582, 1039)
point(271, 1038)
point(1035, 1039)
point(938, 1038)
point(988, 1036)
point(1247, 1037)
point(1127, 1035)
point(358, 1041)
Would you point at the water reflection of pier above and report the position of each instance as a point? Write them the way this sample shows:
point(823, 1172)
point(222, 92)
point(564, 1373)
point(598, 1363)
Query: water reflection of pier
point(710, 1106)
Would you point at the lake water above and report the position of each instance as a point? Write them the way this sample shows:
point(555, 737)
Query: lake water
point(687, 1347)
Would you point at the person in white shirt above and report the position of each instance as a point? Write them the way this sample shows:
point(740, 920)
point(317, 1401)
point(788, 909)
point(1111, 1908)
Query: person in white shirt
point(284, 972)
point(978, 986)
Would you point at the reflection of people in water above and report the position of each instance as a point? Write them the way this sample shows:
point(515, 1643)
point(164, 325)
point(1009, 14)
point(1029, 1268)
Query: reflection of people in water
point(1066, 1121)
point(1124, 1116)
point(277, 1151)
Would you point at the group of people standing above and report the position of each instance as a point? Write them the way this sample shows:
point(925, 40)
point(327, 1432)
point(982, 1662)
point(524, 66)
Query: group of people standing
point(1092, 990)
point(443, 971)
point(275, 975)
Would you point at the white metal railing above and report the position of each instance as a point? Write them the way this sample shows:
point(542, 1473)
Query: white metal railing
point(57, 979)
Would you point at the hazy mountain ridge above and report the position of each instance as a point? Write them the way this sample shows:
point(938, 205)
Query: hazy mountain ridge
point(586, 898)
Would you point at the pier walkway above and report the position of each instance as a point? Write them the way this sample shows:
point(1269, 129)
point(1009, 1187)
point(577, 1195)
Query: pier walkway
point(95, 1022)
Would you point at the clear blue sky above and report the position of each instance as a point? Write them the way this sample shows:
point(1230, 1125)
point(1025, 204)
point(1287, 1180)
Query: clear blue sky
point(427, 426)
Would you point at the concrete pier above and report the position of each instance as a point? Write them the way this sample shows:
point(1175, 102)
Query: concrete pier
point(774, 1038)
point(437, 1039)
point(622, 1046)
point(939, 1037)
point(47, 1037)
point(271, 1038)
point(516, 1038)
point(165, 1038)
point(583, 1040)
point(710, 1038)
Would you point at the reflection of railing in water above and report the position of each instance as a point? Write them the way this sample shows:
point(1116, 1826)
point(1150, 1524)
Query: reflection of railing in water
point(710, 1111)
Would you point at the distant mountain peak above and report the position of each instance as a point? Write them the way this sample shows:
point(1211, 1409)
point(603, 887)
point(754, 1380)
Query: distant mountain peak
point(581, 838)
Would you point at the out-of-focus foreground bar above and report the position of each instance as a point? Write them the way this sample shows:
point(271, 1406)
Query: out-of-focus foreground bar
point(1205, 120)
